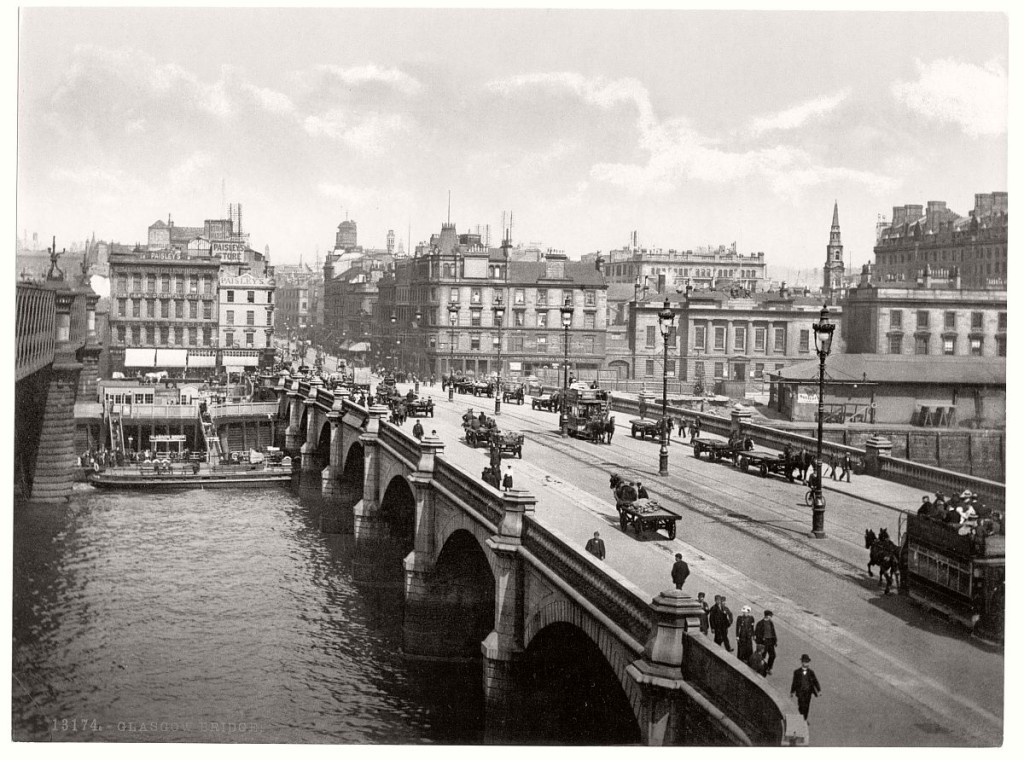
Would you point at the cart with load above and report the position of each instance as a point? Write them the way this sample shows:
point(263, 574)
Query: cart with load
point(643, 428)
point(767, 464)
point(508, 442)
point(516, 396)
point(718, 450)
point(546, 401)
point(640, 511)
point(420, 407)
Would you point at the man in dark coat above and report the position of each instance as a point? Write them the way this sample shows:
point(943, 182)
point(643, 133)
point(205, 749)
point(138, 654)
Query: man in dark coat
point(720, 619)
point(745, 634)
point(596, 546)
point(764, 635)
point(805, 685)
point(756, 661)
point(847, 467)
point(704, 614)
point(417, 430)
point(680, 571)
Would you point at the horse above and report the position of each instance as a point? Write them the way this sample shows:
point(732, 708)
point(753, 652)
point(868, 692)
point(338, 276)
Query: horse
point(609, 429)
point(885, 554)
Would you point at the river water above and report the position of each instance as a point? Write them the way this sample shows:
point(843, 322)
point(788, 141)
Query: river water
point(213, 616)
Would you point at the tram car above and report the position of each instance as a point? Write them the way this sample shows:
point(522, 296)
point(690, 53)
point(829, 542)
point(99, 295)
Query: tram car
point(957, 570)
point(586, 412)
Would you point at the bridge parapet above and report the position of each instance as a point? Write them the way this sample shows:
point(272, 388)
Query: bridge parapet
point(476, 495)
point(34, 327)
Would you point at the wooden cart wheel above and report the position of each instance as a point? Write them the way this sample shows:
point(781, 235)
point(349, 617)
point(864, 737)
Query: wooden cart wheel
point(764, 471)
point(672, 529)
point(637, 527)
point(622, 521)
point(633, 431)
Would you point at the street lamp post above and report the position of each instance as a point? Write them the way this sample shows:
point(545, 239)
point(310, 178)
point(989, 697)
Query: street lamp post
point(453, 320)
point(395, 342)
point(499, 316)
point(823, 330)
point(666, 321)
point(567, 311)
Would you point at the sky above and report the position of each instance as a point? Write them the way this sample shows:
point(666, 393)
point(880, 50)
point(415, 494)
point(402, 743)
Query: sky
point(692, 128)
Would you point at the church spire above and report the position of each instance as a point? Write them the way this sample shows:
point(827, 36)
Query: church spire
point(835, 267)
point(835, 216)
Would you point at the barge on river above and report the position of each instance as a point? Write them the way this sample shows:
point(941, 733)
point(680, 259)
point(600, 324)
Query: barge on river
point(181, 476)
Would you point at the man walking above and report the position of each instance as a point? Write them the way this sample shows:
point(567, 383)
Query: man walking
point(506, 482)
point(596, 546)
point(680, 571)
point(847, 466)
point(805, 685)
point(721, 619)
point(417, 430)
point(704, 613)
point(764, 635)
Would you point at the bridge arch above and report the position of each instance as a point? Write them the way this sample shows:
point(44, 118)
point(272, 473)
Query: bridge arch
point(397, 514)
point(560, 632)
point(304, 422)
point(354, 469)
point(322, 455)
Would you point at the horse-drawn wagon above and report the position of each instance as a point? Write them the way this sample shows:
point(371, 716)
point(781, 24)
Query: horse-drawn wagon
point(643, 428)
point(768, 464)
point(420, 407)
point(507, 442)
point(478, 429)
point(638, 510)
point(718, 450)
point(516, 396)
point(547, 402)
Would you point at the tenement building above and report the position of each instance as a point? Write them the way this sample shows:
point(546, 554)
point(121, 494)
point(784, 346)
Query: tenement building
point(416, 328)
point(939, 240)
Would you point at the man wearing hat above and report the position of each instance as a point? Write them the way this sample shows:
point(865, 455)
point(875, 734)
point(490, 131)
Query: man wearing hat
point(680, 571)
point(925, 510)
point(744, 634)
point(720, 618)
point(805, 685)
point(764, 635)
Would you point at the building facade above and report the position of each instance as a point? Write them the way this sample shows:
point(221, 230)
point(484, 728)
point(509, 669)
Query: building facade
point(937, 239)
point(412, 327)
point(246, 320)
point(939, 319)
point(726, 342)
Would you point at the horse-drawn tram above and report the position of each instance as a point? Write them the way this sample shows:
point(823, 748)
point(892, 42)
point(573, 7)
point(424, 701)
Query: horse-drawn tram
point(638, 510)
point(960, 571)
point(586, 413)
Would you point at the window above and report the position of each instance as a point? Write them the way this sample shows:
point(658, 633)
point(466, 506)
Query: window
point(977, 320)
point(179, 335)
point(921, 345)
point(179, 285)
point(475, 317)
point(651, 330)
point(542, 344)
point(949, 346)
point(207, 310)
point(193, 336)
point(520, 297)
point(649, 367)
point(519, 318)
point(719, 370)
point(977, 344)
point(515, 343)
point(250, 296)
point(229, 338)
point(588, 320)
point(250, 317)
point(589, 298)
point(700, 337)
point(475, 295)
point(164, 335)
point(165, 283)
point(136, 335)
point(453, 295)
point(150, 336)
point(760, 336)
point(193, 309)
point(922, 320)
point(805, 341)
point(137, 283)
point(249, 338)
point(1001, 345)
point(719, 338)
point(179, 309)
point(207, 285)
point(542, 319)
point(588, 344)
point(1002, 321)
point(121, 333)
point(270, 295)
point(474, 342)
point(759, 371)
point(151, 283)
point(207, 336)
point(542, 298)
point(739, 342)
point(302, 306)
point(136, 307)
point(270, 342)
point(739, 372)
point(270, 317)
point(122, 307)
point(949, 320)
point(231, 296)
point(230, 316)
point(895, 344)
point(165, 308)
point(193, 284)
point(122, 284)
point(780, 340)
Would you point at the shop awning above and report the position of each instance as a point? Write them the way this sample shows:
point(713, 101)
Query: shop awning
point(140, 357)
point(202, 360)
point(171, 357)
point(359, 347)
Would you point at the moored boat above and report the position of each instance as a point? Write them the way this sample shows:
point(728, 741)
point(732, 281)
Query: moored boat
point(173, 477)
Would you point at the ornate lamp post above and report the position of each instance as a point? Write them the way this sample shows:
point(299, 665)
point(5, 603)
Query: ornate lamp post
point(823, 330)
point(666, 321)
point(499, 317)
point(395, 341)
point(567, 312)
point(453, 320)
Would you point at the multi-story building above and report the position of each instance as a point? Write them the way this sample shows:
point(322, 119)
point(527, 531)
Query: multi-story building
point(655, 268)
point(246, 320)
point(939, 240)
point(726, 340)
point(412, 328)
point(165, 311)
point(935, 319)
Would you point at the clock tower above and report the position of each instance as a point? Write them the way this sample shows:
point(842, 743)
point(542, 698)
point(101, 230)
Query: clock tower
point(834, 266)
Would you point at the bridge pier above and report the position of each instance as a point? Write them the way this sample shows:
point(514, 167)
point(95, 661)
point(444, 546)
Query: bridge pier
point(371, 534)
point(291, 433)
point(503, 648)
point(55, 456)
point(336, 515)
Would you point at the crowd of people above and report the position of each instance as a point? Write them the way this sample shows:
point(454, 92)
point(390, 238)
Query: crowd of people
point(961, 511)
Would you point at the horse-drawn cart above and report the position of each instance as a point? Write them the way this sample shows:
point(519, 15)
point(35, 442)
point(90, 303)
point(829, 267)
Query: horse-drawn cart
point(547, 402)
point(638, 510)
point(515, 396)
point(767, 464)
point(643, 428)
point(718, 450)
point(420, 407)
point(508, 442)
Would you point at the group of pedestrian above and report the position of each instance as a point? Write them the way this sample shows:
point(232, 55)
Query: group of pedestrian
point(691, 428)
point(840, 467)
point(962, 511)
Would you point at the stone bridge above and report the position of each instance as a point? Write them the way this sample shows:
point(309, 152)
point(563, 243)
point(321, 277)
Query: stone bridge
point(565, 643)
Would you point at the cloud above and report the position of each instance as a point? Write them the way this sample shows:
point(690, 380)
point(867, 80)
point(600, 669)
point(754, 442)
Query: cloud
point(797, 116)
point(599, 91)
point(368, 133)
point(183, 176)
point(271, 100)
point(971, 97)
point(372, 74)
point(355, 196)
